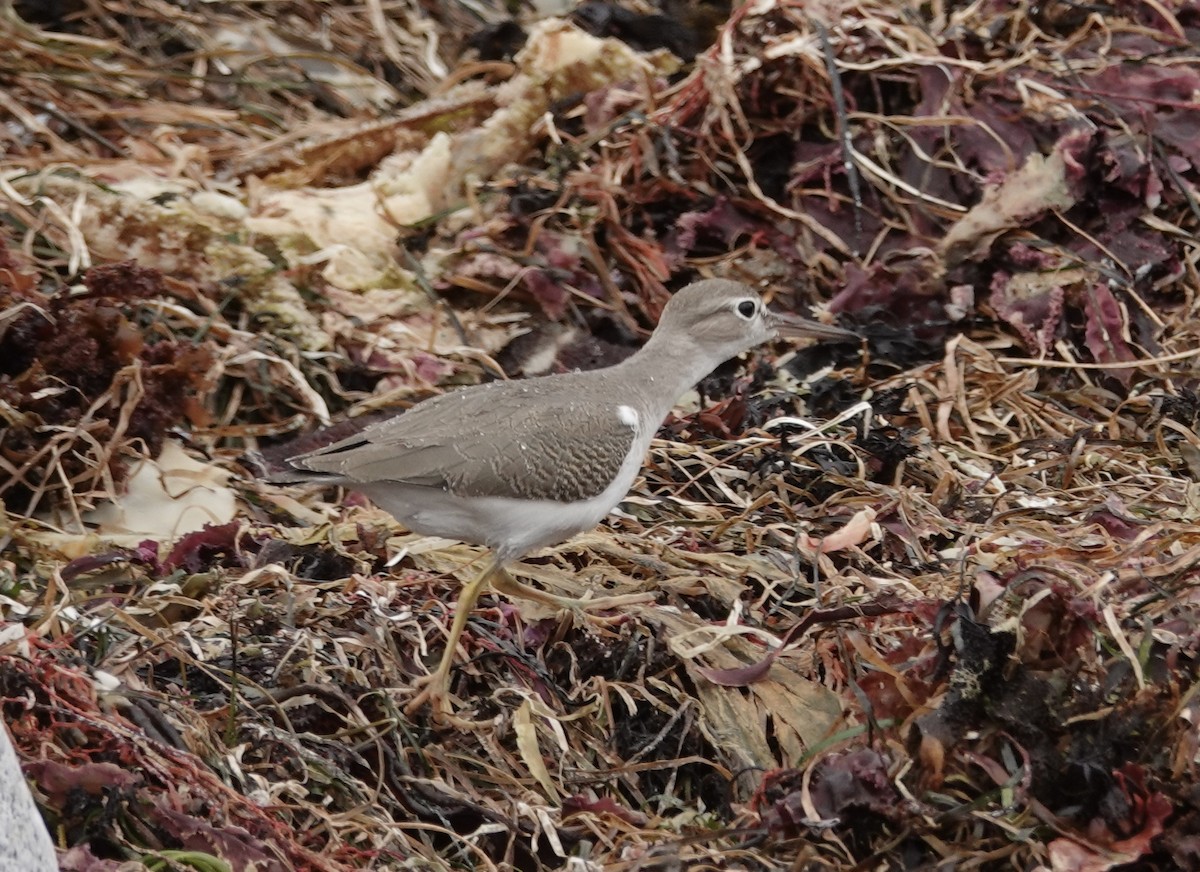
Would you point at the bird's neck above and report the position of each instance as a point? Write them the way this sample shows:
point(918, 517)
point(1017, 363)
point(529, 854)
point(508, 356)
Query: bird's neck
point(665, 368)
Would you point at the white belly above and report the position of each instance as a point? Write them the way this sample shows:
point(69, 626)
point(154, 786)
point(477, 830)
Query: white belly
point(509, 526)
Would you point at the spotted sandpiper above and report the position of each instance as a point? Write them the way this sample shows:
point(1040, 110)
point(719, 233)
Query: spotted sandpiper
point(520, 465)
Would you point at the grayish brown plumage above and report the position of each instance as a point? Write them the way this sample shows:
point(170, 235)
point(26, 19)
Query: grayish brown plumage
point(520, 465)
point(554, 438)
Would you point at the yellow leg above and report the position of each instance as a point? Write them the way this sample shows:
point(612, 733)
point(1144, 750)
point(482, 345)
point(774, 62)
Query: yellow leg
point(435, 687)
point(504, 583)
point(436, 690)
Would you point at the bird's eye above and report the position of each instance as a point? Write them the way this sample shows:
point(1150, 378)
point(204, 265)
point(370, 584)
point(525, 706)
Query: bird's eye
point(747, 309)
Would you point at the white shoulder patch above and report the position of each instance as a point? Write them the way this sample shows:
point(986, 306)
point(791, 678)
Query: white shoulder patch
point(628, 416)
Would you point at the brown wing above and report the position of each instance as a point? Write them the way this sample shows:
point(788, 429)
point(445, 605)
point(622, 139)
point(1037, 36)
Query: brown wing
point(545, 438)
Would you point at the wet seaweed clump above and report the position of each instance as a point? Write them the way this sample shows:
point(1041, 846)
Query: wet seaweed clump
point(84, 373)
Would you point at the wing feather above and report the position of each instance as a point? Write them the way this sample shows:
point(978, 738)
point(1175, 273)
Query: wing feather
point(549, 440)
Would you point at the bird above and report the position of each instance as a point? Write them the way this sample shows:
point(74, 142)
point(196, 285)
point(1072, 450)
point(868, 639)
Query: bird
point(520, 465)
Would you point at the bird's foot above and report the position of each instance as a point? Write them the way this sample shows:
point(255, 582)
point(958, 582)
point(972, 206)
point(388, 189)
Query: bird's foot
point(504, 583)
point(588, 609)
point(605, 603)
point(434, 691)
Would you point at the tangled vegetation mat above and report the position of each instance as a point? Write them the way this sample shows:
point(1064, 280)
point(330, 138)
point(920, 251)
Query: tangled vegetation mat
point(928, 601)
